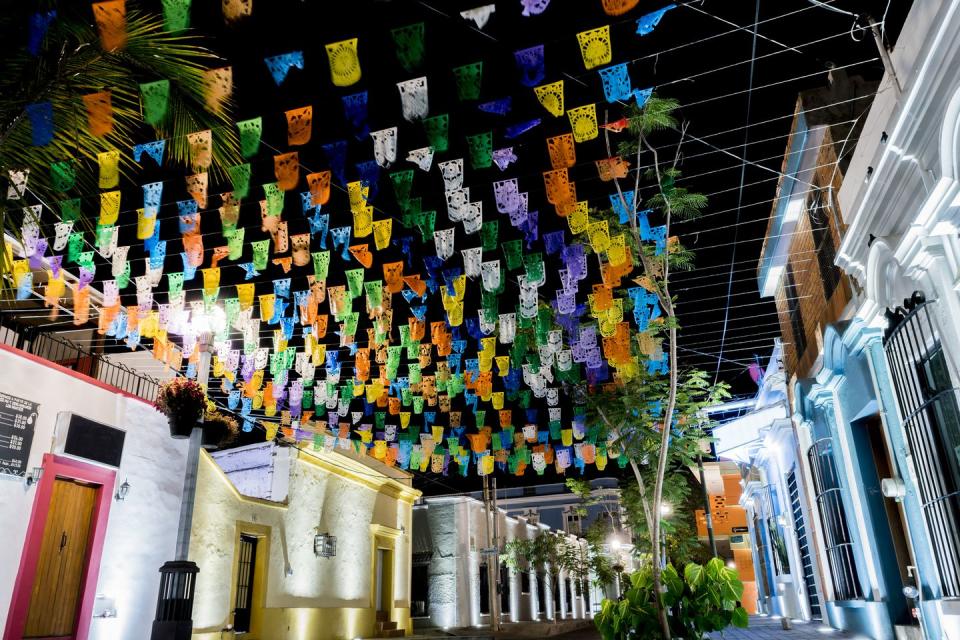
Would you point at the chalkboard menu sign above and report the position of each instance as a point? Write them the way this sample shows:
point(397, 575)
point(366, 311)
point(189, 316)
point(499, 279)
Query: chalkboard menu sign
point(17, 420)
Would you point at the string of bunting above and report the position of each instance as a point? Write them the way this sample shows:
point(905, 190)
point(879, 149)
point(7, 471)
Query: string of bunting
point(415, 390)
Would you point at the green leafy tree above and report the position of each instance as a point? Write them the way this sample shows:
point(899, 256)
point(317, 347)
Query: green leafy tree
point(582, 559)
point(679, 532)
point(655, 419)
point(71, 63)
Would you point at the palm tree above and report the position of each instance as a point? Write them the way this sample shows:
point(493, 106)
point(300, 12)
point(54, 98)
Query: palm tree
point(70, 62)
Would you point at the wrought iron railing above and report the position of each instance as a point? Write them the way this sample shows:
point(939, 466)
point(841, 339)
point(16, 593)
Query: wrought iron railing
point(930, 408)
point(87, 362)
point(836, 534)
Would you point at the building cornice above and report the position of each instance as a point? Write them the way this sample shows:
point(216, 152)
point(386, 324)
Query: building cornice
point(356, 471)
point(906, 189)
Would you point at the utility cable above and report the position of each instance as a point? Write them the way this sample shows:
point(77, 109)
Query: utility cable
point(743, 171)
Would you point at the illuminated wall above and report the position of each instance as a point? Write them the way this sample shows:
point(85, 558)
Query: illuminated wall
point(730, 525)
point(304, 596)
point(141, 531)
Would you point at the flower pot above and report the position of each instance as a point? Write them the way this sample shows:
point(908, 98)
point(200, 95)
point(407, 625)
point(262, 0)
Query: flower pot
point(181, 426)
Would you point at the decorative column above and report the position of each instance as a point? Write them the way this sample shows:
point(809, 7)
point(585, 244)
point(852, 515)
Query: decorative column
point(174, 617)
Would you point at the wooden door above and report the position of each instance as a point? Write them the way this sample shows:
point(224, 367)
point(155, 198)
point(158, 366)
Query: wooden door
point(63, 559)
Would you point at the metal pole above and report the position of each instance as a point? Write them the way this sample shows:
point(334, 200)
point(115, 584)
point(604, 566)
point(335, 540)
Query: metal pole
point(495, 606)
point(708, 514)
point(884, 54)
point(486, 546)
point(174, 617)
point(193, 459)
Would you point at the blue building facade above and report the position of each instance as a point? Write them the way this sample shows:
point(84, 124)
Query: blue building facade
point(844, 427)
point(872, 462)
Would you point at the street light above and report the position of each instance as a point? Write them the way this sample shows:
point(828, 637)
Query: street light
point(174, 617)
point(204, 322)
point(666, 509)
point(614, 542)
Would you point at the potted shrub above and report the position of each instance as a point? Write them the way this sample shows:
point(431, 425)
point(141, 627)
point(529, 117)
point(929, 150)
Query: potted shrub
point(219, 429)
point(704, 599)
point(183, 402)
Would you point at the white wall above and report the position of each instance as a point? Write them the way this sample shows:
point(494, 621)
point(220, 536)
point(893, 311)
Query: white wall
point(141, 531)
point(457, 529)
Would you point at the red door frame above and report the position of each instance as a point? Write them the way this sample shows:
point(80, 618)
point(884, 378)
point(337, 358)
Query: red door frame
point(54, 467)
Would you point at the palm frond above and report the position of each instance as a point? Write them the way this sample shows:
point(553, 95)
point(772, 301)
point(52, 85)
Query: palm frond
point(81, 67)
point(72, 64)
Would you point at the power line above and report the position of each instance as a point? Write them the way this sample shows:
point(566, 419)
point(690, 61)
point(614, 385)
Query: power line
point(743, 171)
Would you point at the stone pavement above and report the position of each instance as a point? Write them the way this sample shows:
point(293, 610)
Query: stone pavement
point(761, 628)
point(771, 627)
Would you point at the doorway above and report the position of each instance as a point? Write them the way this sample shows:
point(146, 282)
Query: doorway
point(504, 587)
point(484, 589)
point(55, 587)
point(541, 596)
point(246, 568)
point(890, 532)
point(384, 581)
point(64, 551)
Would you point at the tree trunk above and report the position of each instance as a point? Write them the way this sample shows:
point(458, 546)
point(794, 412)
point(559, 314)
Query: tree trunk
point(666, 302)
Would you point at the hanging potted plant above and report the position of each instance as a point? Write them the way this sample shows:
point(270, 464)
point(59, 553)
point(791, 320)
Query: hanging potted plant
point(182, 401)
point(219, 429)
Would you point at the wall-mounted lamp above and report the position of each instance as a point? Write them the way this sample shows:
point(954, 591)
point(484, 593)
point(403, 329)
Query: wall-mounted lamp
point(33, 476)
point(893, 488)
point(122, 491)
point(104, 607)
point(324, 545)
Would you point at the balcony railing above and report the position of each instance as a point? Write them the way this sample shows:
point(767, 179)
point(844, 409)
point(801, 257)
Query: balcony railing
point(84, 361)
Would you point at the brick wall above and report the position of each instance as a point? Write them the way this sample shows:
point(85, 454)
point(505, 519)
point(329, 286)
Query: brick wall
point(816, 310)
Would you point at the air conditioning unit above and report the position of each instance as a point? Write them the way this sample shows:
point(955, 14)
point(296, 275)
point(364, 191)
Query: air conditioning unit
point(88, 440)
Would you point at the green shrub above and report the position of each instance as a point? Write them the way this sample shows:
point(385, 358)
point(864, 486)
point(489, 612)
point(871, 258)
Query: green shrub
point(703, 599)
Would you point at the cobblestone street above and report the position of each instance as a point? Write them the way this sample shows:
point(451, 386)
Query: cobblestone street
point(761, 627)
point(766, 627)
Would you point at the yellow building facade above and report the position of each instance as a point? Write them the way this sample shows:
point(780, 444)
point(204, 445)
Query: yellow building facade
point(258, 515)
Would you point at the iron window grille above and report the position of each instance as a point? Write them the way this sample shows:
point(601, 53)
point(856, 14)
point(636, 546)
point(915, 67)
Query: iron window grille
point(763, 570)
point(803, 544)
point(778, 544)
point(823, 243)
point(245, 579)
point(833, 518)
point(792, 292)
point(928, 404)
